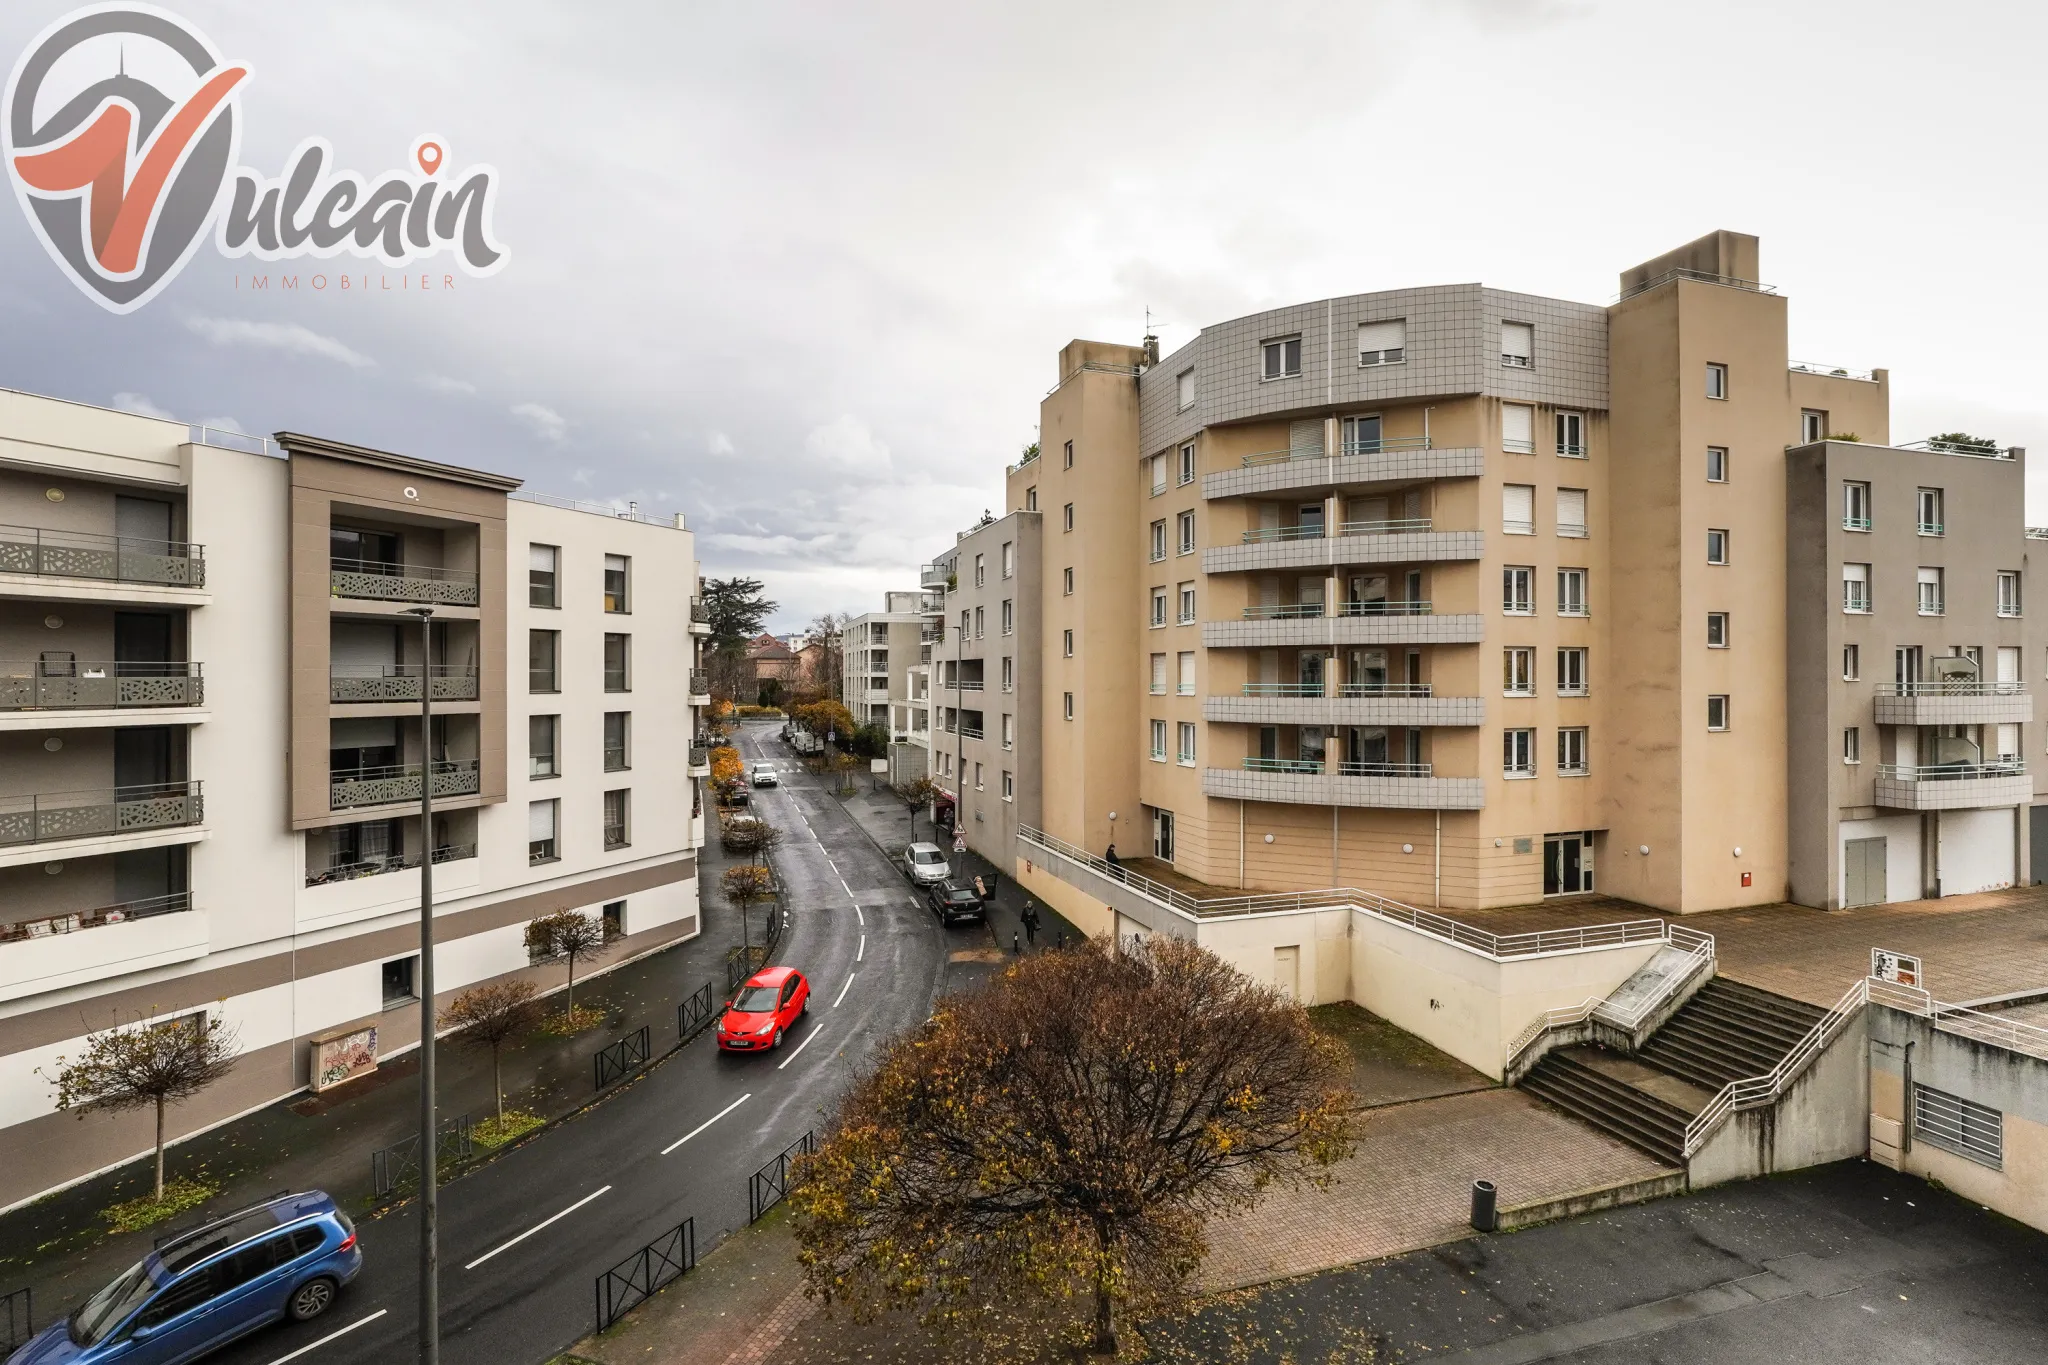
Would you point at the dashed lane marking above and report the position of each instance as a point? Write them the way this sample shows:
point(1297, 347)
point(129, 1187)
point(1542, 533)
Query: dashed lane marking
point(707, 1123)
point(808, 1039)
point(340, 1332)
point(844, 989)
point(535, 1228)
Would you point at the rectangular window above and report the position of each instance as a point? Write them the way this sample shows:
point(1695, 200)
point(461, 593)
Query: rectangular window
point(1070, 454)
point(1187, 604)
point(1571, 434)
point(1571, 751)
point(1185, 673)
point(1156, 466)
point(1186, 538)
point(618, 754)
point(1518, 509)
point(1717, 630)
point(1930, 520)
point(1717, 546)
point(616, 569)
point(540, 832)
point(1158, 675)
point(1009, 731)
point(1717, 712)
point(2008, 742)
point(543, 650)
point(1927, 593)
point(1185, 389)
point(1066, 582)
point(1517, 345)
point(1158, 540)
point(1009, 559)
point(977, 776)
point(618, 809)
point(1031, 498)
point(1159, 741)
point(980, 622)
point(1852, 663)
point(1571, 513)
point(1717, 464)
point(1067, 514)
point(1717, 381)
point(398, 981)
point(1009, 674)
point(1852, 745)
point(1009, 785)
point(1972, 1131)
point(541, 737)
point(1067, 643)
point(1856, 588)
point(541, 585)
point(1518, 428)
point(1282, 358)
point(1067, 704)
point(980, 571)
point(1571, 673)
point(2008, 592)
point(1009, 614)
point(1855, 506)
point(1813, 426)
point(1515, 584)
point(1518, 672)
point(1185, 754)
point(1518, 753)
point(1571, 593)
point(1187, 464)
point(1382, 343)
point(1158, 606)
point(618, 663)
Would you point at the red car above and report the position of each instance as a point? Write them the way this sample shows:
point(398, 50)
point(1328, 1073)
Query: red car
point(765, 1007)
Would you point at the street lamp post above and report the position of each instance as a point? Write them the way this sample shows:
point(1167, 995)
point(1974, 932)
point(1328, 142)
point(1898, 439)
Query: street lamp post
point(430, 1147)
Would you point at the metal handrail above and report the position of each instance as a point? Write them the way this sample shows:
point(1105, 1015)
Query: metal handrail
point(373, 867)
point(1699, 949)
point(630, 512)
point(1952, 772)
point(82, 684)
point(1373, 689)
point(1285, 611)
point(90, 554)
point(1975, 687)
point(1264, 689)
point(1399, 526)
point(1372, 767)
point(1384, 607)
point(1703, 276)
point(1262, 535)
point(1855, 523)
point(1995, 1029)
point(1831, 371)
point(45, 817)
point(381, 569)
point(1283, 765)
point(1753, 1092)
point(1928, 443)
point(1384, 444)
point(77, 920)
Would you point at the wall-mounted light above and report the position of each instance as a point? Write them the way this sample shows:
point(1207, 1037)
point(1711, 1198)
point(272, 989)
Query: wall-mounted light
point(1407, 848)
point(53, 868)
point(1643, 849)
point(1738, 850)
point(53, 622)
point(1269, 838)
point(412, 493)
point(53, 744)
point(54, 494)
point(1496, 843)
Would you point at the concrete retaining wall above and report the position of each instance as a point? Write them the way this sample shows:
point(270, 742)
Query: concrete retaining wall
point(1823, 1116)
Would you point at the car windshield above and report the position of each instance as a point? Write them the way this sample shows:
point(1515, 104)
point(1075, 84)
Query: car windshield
point(109, 1308)
point(959, 894)
point(756, 999)
point(925, 855)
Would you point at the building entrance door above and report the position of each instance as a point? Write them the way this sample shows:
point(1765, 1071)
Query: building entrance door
point(1863, 872)
point(1162, 835)
point(1567, 864)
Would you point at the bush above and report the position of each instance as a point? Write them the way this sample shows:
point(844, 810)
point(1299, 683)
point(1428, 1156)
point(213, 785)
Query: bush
point(870, 741)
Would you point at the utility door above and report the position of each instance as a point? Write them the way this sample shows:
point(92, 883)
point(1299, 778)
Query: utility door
point(1863, 872)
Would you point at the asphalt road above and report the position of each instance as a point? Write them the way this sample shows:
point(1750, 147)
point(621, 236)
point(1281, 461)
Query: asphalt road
point(523, 1238)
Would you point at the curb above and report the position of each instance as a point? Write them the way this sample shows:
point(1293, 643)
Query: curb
point(1640, 1190)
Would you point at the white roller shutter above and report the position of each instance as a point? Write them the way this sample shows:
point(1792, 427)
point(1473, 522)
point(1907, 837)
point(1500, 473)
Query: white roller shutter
point(1306, 437)
point(1518, 508)
point(1518, 427)
point(1517, 343)
point(540, 821)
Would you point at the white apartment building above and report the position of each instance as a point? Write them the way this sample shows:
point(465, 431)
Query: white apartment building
point(211, 749)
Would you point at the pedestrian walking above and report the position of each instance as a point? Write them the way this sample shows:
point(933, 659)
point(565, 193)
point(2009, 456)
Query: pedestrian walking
point(1030, 917)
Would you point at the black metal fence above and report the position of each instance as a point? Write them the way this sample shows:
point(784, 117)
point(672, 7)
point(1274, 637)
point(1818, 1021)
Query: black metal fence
point(636, 1279)
point(397, 1166)
point(622, 1058)
point(696, 1014)
point(767, 1186)
point(17, 1318)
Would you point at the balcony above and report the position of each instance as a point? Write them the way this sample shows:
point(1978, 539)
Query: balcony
point(348, 872)
point(1954, 703)
point(50, 817)
point(400, 682)
point(111, 559)
point(933, 575)
point(360, 787)
point(1387, 786)
point(962, 685)
point(700, 617)
point(1362, 542)
point(368, 580)
point(1953, 786)
point(56, 952)
point(1306, 625)
point(700, 687)
point(41, 685)
point(700, 761)
point(1398, 704)
point(94, 919)
point(1291, 471)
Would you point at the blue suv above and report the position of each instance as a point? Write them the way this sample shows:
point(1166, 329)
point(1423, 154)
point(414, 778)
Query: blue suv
point(201, 1289)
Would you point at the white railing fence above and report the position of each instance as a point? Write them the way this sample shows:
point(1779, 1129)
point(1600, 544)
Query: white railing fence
point(1699, 951)
point(1754, 1092)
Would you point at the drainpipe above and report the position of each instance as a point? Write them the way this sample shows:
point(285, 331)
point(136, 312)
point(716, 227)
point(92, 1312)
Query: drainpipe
point(1439, 840)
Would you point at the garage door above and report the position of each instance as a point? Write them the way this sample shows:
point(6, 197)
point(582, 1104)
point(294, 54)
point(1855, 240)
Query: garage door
point(1977, 850)
point(1863, 872)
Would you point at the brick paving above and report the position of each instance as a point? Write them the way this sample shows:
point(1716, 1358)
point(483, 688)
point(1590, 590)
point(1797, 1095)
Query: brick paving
point(1409, 1185)
point(761, 1347)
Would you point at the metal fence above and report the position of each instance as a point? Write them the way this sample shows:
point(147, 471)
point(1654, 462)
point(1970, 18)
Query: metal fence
point(640, 1276)
point(767, 1186)
point(623, 1058)
point(394, 1167)
point(17, 1311)
point(695, 1014)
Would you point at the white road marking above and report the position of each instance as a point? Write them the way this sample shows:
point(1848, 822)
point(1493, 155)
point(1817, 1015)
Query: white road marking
point(844, 989)
point(849, 888)
point(707, 1123)
point(535, 1228)
point(857, 911)
point(341, 1332)
point(862, 953)
point(801, 1046)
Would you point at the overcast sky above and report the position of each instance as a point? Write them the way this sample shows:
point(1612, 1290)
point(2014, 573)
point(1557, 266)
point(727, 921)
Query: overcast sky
point(801, 270)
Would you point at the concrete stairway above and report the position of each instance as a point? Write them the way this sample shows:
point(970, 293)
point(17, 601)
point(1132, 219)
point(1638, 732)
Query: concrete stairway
point(1728, 1032)
point(1579, 1081)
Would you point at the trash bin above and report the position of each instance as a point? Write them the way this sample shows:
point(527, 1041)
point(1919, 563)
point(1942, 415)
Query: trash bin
point(1484, 1198)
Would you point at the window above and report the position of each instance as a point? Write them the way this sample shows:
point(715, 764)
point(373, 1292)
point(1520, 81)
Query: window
point(1382, 343)
point(1031, 498)
point(1717, 546)
point(1972, 1131)
point(977, 776)
point(980, 570)
point(1066, 582)
point(1185, 388)
point(1158, 606)
point(1852, 663)
point(1009, 674)
point(1717, 712)
point(2008, 592)
point(1571, 434)
point(1069, 455)
point(1009, 731)
point(1517, 345)
point(1813, 426)
point(1159, 741)
point(1156, 466)
point(1518, 753)
point(1571, 513)
point(1158, 675)
point(617, 740)
point(1518, 672)
point(1571, 751)
point(1717, 630)
point(980, 622)
point(1717, 381)
point(1187, 604)
point(1856, 588)
point(615, 574)
point(1009, 615)
point(1571, 673)
point(613, 917)
point(540, 576)
point(1009, 785)
point(1717, 464)
point(1068, 514)
point(1282, 357)
point(1855, 506)
point(1518, 428)
point(1929, 503)
point(541, 734)
point(1852, 745)
point(2008, 742)
point(966, 622)
point(542, 649)
point(1571, 593)
point(1067, 643)
point(1186, 538)
point(1927, 592)
point(618, 660)
point(1187, 464)
point(1361, 435)
point(1518, 509)
point(540, 831)
point(618, 806)
point(1185, 754)
point(1158, 540)
point(1067, 702)
point(1515, 580)
point(398, 981)
point(1009, 559)
point(1185, 673)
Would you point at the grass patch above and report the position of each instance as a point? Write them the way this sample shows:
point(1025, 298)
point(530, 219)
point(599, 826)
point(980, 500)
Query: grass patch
point(496, 1132)
point(180, 1196)
point(569, 1023)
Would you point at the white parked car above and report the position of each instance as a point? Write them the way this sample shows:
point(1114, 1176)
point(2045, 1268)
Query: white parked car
point(764, 775)
point(926, 864)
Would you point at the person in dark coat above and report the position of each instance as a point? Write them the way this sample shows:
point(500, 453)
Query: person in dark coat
point(1030, 918)
point(1109, 856)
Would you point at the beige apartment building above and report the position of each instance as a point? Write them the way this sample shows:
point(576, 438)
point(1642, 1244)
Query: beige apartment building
point(211, 752)
point(1463, 596)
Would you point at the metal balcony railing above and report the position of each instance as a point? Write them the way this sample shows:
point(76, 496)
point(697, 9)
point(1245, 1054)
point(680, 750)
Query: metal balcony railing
point(1398, 526)
point(372, 867)
point(370, 580)
point(700, 756)
point(1380, 446)
point(699, 613)
point(49, 816)
point(46, 685)
point(1383, 608)
point(1264, 535)
point(75, 920)
point(119, 559)
point(700, 683)
point(1282, 689)
point(351, 788)
point(1283, 765)
point(1284, 611)
point(1367, 767)
point(1974, 687)
point(1386, 689)
point(400, 682)
point(1953, 772)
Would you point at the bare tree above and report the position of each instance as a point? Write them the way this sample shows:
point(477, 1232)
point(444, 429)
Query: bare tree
point(490, 1016)
point(565, 936)
point(756, 838)
point(746, 886)
point(917, 794)
point(1063, 1134)
point(149, 1063)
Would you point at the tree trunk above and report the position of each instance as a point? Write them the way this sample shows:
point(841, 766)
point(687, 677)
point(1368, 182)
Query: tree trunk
point(1105, 1308)
point(572, 985)
point(498, 1083)
point(159, 1149)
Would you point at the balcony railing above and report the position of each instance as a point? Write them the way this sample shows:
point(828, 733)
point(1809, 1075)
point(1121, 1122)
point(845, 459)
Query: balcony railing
point(401, 782)
point(1383, 689)
point(41, 685)
point(73, 921)
point(46, 817)
point(379, 582)
point(1366, 767)
point(1396, 527)
point(1282, 689)
point(963, 685)
point(1974, 687)
point(400, 682)
point(118, 559)
point(933, 575)
point(1283, 765)
point(1930, 528)
point(372, 867)
point(1383, 608)
point(1266, 457)
point(700, 683)
point(700, 756)
point(1953, 772)
point(1855, 523)
point(700, 614)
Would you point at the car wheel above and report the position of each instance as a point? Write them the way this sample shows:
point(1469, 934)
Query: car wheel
point(778, 1039)
point(311, 1299)
point(807, 1004)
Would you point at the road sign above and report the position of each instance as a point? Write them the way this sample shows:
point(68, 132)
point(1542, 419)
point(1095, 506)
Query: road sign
point(878, 765)
point(1902, 968)
point(959, 843)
